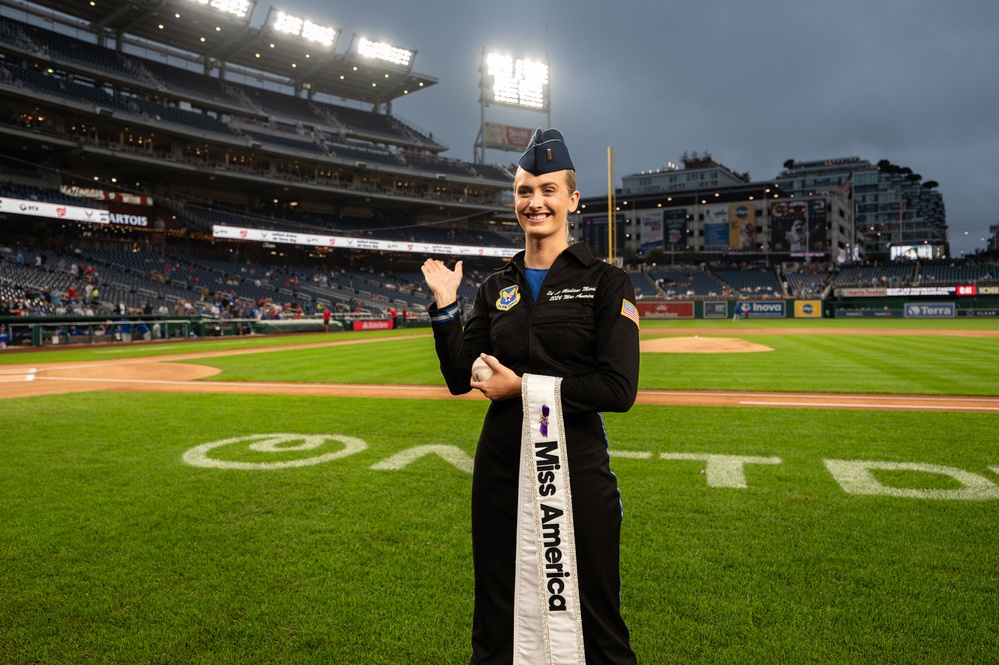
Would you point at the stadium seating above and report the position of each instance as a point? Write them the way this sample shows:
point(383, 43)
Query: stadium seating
point(806, 284)
point(750, 282)
point(644, 286)
point(875, 275)
point(951, 274)
point(689, 283)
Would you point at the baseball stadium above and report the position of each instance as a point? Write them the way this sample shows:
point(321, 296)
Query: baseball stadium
point(226, 437)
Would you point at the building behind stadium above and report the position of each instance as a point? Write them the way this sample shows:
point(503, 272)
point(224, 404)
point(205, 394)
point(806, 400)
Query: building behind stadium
point(837, 210)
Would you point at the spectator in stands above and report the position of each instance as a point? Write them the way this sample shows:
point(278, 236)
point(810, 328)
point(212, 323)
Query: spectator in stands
point(527, 323)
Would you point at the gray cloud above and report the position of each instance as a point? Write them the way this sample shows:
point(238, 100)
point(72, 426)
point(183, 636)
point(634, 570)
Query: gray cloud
point(755, 84)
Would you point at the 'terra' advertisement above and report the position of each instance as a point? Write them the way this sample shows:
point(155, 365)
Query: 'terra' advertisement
point(930, 310)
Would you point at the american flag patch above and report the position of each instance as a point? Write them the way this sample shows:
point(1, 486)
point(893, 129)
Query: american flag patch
point(629, 310)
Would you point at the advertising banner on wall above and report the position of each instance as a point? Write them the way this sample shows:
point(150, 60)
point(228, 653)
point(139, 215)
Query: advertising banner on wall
point(652, 229)
point(761, 309)
point(349, 242)
point(716, 310)
point(930, 310)
point(807, 309)
point(506, 137)
point(799, 227)
point(105, 195)
point(676, 230)
point(665, 310)
point(716, 228)
point(33, 208)
point(384, 324)
point(741, 227)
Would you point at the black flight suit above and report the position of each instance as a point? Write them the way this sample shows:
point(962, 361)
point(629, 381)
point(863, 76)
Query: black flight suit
point(575, 330)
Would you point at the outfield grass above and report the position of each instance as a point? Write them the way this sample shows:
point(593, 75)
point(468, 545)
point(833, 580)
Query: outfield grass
point(113, 549)
point(909, 364)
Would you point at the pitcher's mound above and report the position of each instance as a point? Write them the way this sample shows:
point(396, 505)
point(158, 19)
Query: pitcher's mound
point(701, 345)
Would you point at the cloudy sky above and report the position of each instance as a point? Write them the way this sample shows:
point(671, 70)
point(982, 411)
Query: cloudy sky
point(752, 83)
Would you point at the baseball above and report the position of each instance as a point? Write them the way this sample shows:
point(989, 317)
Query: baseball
point(480, 370)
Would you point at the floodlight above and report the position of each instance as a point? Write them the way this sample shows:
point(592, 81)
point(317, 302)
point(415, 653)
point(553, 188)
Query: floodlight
point(237, 8)
point(286, 23)
point(516, 81)
point(382, 51)
point(319, 33)
point(290, 24)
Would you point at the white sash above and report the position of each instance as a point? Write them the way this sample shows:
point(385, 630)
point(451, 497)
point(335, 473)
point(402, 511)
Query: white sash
point(547, 624)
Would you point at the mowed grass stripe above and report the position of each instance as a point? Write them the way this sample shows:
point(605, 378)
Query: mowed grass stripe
point(836, 363)
point(920, 364)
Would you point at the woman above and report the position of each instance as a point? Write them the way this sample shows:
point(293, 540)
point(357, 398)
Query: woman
point(553, 311)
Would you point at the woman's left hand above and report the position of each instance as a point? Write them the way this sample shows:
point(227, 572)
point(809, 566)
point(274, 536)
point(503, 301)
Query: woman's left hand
point(503, 384)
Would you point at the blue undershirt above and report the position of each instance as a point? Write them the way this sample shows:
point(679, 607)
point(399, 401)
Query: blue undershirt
point(535, 276)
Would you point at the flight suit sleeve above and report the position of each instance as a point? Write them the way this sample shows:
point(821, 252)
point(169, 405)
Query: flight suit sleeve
point(613, 385)
point(457, 346)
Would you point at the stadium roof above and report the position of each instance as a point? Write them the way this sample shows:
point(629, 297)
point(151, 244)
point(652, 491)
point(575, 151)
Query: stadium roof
point(208, 32)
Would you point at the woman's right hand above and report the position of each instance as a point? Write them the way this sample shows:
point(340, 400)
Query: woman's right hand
point(442, 281)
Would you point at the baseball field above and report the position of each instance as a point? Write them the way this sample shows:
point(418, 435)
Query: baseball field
point(793, 492)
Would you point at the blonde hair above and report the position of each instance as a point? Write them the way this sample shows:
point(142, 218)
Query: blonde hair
point(570, 180)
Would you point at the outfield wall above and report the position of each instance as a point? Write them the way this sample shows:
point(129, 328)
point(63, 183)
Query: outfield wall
point(56, 331)
point(902, 307)
point(80, 330)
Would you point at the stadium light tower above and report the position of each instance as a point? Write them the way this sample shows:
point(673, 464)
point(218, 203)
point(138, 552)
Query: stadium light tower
point(292, 26)
point(383, 51)
point(239, 9)
point(517, 83)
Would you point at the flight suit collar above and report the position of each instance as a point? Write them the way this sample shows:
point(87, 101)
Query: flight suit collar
point(576, 251)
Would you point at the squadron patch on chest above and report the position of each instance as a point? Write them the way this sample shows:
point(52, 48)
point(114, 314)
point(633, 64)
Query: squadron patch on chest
point(508, 297)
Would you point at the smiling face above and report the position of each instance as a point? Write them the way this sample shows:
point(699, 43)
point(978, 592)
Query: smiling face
point(543, 202)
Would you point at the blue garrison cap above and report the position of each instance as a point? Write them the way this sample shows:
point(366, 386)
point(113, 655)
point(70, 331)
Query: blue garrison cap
point(546, 153)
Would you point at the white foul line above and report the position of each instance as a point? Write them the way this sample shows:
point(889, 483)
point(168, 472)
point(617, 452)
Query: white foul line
point(854, 405)
point(11, 377)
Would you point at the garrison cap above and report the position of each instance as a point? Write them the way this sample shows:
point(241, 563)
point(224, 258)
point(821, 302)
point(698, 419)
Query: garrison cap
point(546, 153)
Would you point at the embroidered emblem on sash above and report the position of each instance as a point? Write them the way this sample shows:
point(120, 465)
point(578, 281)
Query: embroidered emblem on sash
point(508, 297)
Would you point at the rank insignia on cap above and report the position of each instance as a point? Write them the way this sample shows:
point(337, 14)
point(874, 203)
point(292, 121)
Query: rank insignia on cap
point(508, 297)
point(546, 153)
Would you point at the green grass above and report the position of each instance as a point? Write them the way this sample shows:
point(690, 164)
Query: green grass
point(114, 550)
point(911, 364)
